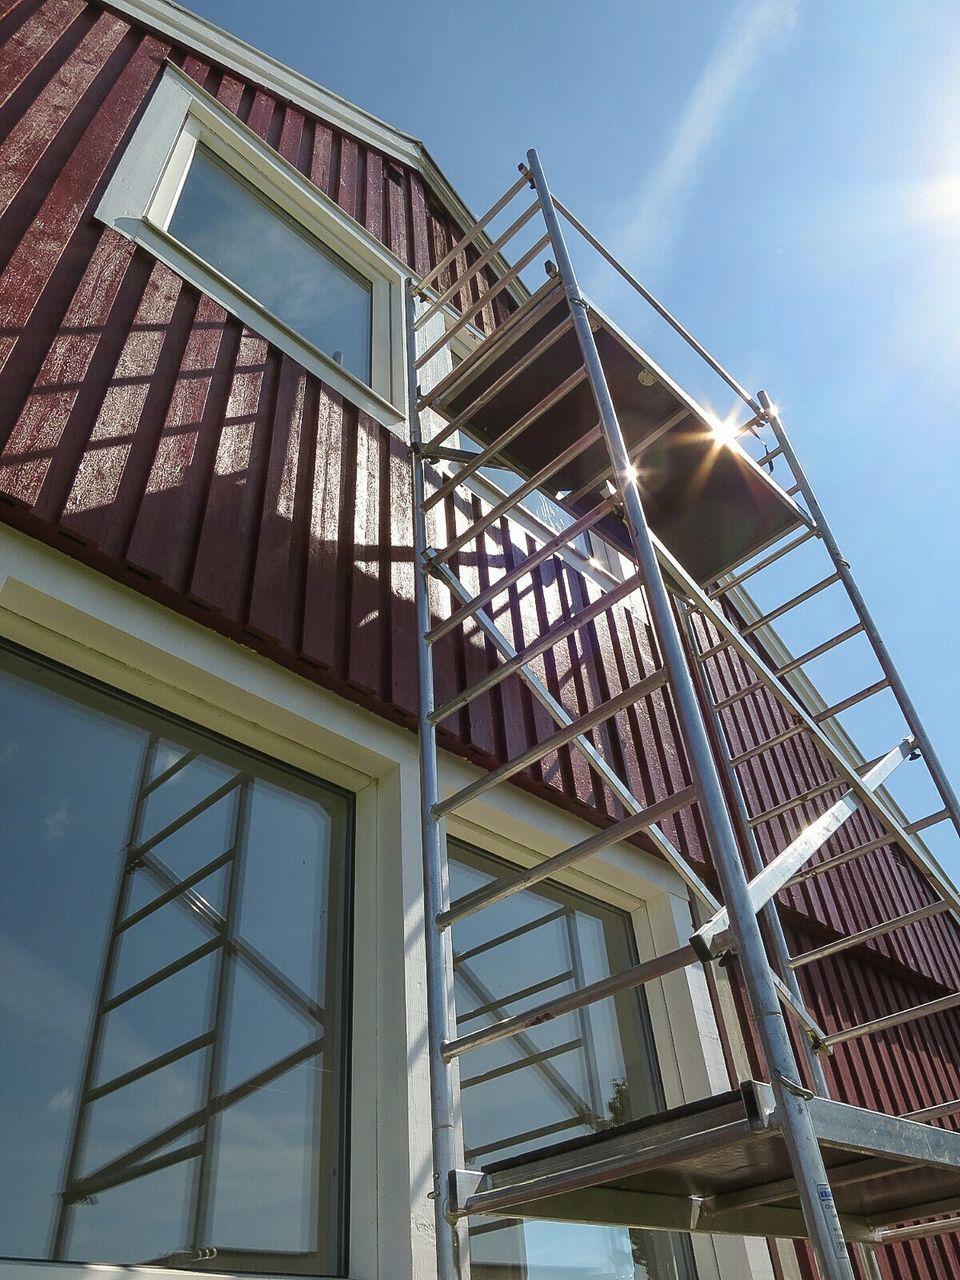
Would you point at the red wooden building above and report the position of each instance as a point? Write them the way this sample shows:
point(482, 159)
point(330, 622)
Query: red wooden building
point(212, 925)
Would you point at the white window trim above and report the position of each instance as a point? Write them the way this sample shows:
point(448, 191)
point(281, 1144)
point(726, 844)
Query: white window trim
point(141, 196)
point(62, 610)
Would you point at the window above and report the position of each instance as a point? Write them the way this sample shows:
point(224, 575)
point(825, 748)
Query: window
point(173, 947)
point(209, 198)
point(576, 1074)
point(249, 240)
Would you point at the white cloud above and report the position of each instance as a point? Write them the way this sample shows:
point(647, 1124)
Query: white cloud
point(656, 211)
point(56, 823)
point(9, 752)
point(61, 1100)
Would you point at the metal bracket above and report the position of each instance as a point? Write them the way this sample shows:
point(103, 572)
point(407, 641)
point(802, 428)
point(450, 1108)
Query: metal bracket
point(432, 566)
point(464, 1183)
point(696, 1208)
point(794, 1087)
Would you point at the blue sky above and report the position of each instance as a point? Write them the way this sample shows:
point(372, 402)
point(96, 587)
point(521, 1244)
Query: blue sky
point(784, 173)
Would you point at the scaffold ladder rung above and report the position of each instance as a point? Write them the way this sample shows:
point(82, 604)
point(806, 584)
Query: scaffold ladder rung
point(927, 1010)
point(509, 375)
point(819, 650)
point(737, 579)
point(627, 980)
point(485, 300)
point(472, 232)
point(482, 459)
point(462, 281)
point(550, 638)
point(785, 806)
point(867, 935)
point(561, 738)
point(528, 314)
point(623, 830)
point(792, 731)
point(854, 700)
point(649, 440)
point(514, 498)
point(800, 598)
point(841, 859)
point(526, 566)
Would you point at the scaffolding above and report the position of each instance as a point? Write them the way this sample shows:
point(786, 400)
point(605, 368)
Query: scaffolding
point(553, 395)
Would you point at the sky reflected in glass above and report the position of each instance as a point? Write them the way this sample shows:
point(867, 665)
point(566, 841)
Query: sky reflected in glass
point(251, 242)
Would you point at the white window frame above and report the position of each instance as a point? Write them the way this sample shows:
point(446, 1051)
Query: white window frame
point(142, 194)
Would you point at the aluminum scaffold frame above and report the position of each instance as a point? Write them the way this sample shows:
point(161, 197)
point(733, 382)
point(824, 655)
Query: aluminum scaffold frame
point(771, 984)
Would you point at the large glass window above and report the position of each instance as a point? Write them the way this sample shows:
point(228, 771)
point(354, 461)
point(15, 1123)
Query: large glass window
point(173, 967)
point(577, 1074)
point(249, 241)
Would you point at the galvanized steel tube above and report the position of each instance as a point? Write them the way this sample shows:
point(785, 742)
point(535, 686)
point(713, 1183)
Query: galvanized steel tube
point(453, 1256)
point(819, 1209)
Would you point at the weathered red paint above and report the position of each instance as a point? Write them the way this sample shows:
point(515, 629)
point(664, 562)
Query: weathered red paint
point(150, 434)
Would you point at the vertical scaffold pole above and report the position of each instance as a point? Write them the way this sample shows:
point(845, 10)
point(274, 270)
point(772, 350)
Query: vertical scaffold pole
point(778, 940)
point(819, 1209)
point(453, 1258)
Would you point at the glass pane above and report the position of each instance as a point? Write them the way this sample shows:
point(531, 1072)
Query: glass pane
point(67, 775)
point(189, 788)
point(168, 1015)
point(286, 871)
point(290, 274)
point(143, 1220)
point(576, 1074)
point(264, 1197)
point(77, 775)
point(124, 1119)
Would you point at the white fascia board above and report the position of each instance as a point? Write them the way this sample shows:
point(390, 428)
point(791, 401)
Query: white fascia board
point(170, 19)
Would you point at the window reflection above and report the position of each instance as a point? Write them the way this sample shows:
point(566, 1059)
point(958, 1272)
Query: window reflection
point(576, 1074)
point(289, 273)
point(174, 1017)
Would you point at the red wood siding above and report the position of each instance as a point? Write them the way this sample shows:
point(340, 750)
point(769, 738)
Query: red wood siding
point(148, 433)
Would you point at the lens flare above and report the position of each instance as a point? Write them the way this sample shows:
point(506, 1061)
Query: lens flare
point(724, 430)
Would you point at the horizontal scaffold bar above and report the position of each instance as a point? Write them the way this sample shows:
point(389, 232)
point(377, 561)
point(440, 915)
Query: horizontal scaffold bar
point(867, 935)
point(489, 393)
point(606, 472)
point(820, 649)
point(800, 598)
point(548, 640)
point(486, 456)
point(496, 892)
point(484, 260)
point(734, 581)
point(794, 802)
point(840, 859)
point(484, 353)
point(628, 980)
point(768, 744)
point(466, 316)
point(516, 496)
point(855, 698)
point(561, 738)
point(473, 231)
point(846, 768)
point(914, 1014)
point(527, 565)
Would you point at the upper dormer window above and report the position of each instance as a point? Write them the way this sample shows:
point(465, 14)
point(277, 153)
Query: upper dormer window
point(207, 196)
point(252, 243)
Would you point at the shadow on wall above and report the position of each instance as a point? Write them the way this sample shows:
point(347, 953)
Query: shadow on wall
point(172, 447)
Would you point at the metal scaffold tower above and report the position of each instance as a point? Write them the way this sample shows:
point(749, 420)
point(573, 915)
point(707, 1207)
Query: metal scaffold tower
point(552, 395)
